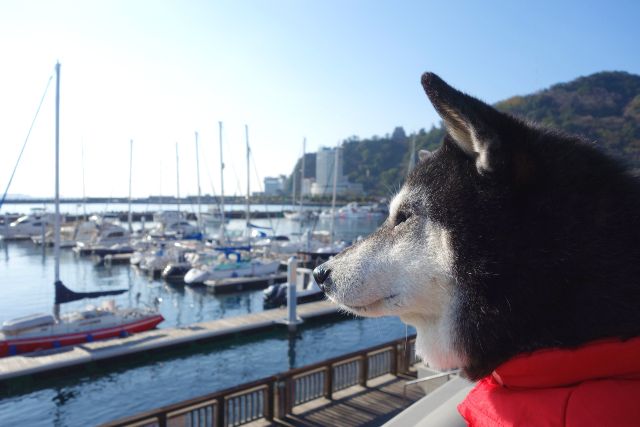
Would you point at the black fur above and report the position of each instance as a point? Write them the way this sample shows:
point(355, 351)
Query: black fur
point(546, 242)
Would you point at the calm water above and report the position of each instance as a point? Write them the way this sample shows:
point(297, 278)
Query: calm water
point(98, 395)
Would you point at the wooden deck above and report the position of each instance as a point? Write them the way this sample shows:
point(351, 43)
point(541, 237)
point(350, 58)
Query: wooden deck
point(356, 406)
point(157, 339)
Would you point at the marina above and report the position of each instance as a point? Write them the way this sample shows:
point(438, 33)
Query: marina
point(203, 329)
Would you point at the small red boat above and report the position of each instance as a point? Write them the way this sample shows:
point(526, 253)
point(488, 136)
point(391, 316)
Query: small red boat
point(44, 331)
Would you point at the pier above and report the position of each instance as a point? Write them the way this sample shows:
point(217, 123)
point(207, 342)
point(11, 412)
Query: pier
point(155, 340)
point(367, 387)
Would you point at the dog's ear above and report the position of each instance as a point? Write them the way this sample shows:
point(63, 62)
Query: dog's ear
point(469, 122)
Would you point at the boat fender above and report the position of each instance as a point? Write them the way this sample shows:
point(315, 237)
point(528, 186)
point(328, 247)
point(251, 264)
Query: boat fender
point(89, 338)
point(13, 350)
point(234, 274)
point(124, 334)
point(56, 344)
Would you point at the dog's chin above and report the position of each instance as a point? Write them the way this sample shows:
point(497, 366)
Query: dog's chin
point(379, 308)
point(434, 343)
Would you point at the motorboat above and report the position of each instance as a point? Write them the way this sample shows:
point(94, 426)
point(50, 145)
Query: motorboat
point(70, 234)
point(173, 224)
point(302, 216)
point(26, 226)
point(109, 234)
point(354, 210)
point(232, 262)
point(307, 290)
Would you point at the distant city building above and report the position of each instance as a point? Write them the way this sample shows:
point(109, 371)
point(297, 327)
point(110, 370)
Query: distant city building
point(307, 183)
point(326, 163)
point(274, 186)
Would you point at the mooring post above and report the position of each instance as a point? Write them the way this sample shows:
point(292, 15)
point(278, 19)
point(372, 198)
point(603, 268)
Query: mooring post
point(292, 302)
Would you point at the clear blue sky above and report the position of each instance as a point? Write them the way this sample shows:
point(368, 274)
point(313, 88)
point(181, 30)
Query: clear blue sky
point(157, 71)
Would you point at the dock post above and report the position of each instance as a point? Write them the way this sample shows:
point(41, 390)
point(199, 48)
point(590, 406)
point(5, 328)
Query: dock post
point(292, 302)
point(292, 320)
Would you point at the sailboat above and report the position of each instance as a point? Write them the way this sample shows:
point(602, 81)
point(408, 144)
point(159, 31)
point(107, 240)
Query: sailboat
point(234, 261)
point(45, 331)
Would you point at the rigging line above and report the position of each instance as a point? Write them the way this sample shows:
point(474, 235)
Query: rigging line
point(24, 144)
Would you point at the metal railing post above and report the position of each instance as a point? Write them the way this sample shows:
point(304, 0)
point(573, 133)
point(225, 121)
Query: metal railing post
point(328, 382)
point(220, 415)
point(394, 361)
point(364, 370)
point(270, 403)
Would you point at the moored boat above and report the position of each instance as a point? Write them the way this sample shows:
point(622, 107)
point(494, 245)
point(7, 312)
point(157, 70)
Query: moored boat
point(44, 331)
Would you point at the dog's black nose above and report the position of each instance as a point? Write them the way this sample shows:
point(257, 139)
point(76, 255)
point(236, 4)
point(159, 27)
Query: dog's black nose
point(321, 274)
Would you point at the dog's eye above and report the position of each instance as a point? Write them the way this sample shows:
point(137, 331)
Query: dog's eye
point(401, 216)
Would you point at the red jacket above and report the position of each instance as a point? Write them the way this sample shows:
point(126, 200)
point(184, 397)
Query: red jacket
point(595, 385)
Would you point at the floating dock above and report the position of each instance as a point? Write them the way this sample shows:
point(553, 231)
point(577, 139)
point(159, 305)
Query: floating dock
point(157, 339)
point(241, 284)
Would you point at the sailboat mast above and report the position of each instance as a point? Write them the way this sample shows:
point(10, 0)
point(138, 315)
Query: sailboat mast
point(222, 219)
point(129, 219)
point(333, 199)
point(84, 193)
point(56, 220)
point(178, 178)
point(247, 213)
point(199, 191)
point(304, 151)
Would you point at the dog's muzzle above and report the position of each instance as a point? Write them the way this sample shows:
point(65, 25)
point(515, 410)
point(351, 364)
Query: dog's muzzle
point(322, 276)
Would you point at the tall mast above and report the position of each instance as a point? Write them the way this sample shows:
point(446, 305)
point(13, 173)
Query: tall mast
point(294, 178)
point(304, 150)
point(56, 220)
point(333, 199)
point(247, 213)
point(130, 170)
point(222, 219)
point(199, 191)
point(178, 178)
point(84, 193)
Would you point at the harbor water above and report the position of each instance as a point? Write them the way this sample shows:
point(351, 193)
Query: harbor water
point(101, 393)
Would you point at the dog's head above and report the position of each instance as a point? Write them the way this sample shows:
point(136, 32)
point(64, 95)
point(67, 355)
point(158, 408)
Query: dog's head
point(482, 247)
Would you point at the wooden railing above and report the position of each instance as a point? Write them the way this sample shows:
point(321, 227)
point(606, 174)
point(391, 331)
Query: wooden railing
point(277, 395)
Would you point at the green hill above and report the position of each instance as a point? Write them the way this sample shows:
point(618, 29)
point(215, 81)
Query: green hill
point(603, 107)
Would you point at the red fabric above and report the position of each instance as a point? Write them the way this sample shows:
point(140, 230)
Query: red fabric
point(594, 385)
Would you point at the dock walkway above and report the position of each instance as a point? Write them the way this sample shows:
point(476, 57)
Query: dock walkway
point(66, 357)
point(356, 406)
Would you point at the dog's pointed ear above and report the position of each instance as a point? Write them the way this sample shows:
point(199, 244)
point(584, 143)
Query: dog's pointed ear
point(424, 155)
point(468, 121)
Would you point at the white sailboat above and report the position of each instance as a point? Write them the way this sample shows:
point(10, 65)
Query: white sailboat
point(238, 261)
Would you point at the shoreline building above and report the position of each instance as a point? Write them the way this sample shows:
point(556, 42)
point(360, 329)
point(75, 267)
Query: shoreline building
point(274, 186)
point(326, 163)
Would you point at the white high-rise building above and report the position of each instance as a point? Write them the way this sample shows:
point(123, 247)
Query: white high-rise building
point(325, 166)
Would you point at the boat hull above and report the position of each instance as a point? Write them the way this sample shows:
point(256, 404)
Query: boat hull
point(12, 347)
